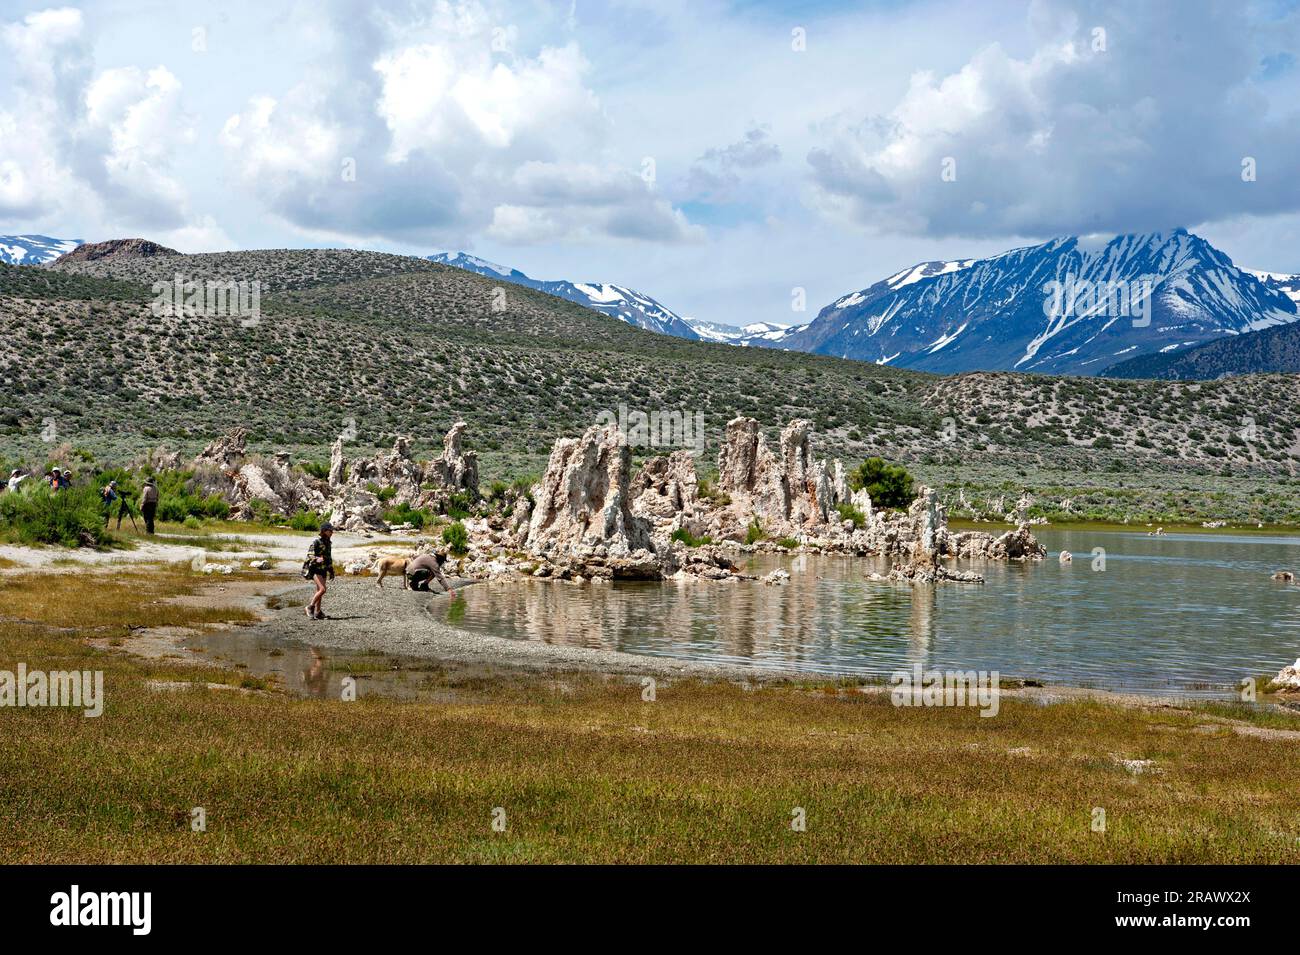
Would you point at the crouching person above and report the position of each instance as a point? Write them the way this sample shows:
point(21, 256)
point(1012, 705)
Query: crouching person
point(425, 568)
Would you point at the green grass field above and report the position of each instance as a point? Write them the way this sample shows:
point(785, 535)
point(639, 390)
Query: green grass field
point(585, 771)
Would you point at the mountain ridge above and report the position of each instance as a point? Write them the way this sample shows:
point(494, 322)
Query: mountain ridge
point(999, 312)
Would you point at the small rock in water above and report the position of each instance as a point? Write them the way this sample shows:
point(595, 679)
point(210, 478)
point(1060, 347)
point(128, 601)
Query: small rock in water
point(1284, 575)
point(1066, 557)
point(1287, 679)
point(260, 564)
point(777, 577)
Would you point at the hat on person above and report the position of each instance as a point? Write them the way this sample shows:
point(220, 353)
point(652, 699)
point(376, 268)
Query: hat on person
point(13, 473)
point(327, 526)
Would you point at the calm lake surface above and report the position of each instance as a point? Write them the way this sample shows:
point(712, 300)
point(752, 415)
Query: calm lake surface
point(1180, 613)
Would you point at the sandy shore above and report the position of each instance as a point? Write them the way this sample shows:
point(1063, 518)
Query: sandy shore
point(362, 618)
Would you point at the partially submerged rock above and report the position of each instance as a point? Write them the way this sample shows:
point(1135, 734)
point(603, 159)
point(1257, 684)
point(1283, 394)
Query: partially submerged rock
point(583, 503)
point(1287, 679)
point(787, 492)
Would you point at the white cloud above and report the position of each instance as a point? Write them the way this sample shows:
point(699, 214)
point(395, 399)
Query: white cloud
point(716, 175)
point(450, 133)
point(1087, 133)
point(94, 147)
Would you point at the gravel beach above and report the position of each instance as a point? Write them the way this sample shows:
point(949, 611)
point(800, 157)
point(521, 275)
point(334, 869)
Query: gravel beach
point(361, 617)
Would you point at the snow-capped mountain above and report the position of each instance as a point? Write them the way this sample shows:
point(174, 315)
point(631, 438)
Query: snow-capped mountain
point(755, 334)
point(1288, 285)
point(1074, 305)
point(623, 303)
point(33, 249)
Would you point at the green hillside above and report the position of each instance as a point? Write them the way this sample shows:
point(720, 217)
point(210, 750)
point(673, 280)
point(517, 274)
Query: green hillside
point(405, 346)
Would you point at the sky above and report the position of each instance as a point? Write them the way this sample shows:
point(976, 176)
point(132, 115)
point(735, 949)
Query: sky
point(733, 160)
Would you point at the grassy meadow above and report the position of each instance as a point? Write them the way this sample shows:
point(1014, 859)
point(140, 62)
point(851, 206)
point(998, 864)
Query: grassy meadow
point(580, 769)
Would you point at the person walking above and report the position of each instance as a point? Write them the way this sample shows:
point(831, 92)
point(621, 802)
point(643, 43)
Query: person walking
point(149, 503)
point(319, 564)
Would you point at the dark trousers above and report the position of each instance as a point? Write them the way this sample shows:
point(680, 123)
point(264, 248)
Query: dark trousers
point(149, 509)
point(420, 579)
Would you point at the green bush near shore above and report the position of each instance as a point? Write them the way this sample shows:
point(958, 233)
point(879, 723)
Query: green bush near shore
point(683, 536)
point(888, 485)
point(72, 517)
point(456, 538)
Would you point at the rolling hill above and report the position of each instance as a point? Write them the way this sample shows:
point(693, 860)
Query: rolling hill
point(401, 345)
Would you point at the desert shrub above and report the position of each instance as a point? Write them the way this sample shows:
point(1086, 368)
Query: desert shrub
point(261, 511)
point(709, 491)
point(458, 506)
point(888, 485)
point(178, 499)
point(789, 543)
point(682, 535)
point(385, 494)
point(305, 521)
point(850, 513)
point(456, 538)
point(405, 514)
point(317, 469)
point(754, 532)
point(37, 515)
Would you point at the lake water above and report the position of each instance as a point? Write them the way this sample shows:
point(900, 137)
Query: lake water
point(1183, 613)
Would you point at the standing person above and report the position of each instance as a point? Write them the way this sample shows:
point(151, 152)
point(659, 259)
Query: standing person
point(65, 479)
point(424, 568)
point(52, 479)
point(149, 503)
point(106, 498)
point(319, 563)
point(16, 478)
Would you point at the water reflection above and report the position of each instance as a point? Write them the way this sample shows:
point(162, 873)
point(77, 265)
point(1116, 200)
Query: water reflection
point(1175, 611)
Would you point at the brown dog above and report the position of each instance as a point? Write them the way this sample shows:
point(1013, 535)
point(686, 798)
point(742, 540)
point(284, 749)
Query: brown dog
point(390, 565)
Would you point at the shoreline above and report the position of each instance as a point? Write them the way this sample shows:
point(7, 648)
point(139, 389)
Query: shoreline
point(365, 620)
point(409, 630)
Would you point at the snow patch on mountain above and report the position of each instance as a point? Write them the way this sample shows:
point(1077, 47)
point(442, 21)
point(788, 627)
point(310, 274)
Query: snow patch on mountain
point(33, 249)
point(617, 301)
